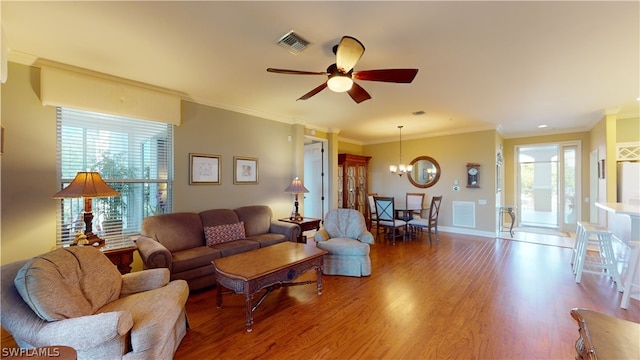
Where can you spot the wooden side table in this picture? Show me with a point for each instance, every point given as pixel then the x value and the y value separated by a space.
pixel 508 210
pixel 605 337
pixel 122 258
pixel 305 225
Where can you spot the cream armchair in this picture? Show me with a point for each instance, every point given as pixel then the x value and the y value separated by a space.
pixel 76 297
pixel 346 239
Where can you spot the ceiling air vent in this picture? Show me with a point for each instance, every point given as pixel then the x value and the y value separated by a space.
pixel 293 42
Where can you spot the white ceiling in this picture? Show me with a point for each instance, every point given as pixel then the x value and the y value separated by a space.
pixel 483 65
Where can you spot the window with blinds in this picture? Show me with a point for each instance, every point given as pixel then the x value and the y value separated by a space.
pixel 135 157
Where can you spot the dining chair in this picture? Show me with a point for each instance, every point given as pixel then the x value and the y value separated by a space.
pixel 373 217
pixel 386 217
pixel 415 203
pixel 430 222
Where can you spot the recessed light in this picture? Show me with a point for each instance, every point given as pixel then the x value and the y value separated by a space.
pixel 542 126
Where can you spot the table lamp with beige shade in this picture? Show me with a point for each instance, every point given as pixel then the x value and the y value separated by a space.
pixel 89 185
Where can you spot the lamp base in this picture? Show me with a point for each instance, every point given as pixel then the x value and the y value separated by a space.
pixel 296 217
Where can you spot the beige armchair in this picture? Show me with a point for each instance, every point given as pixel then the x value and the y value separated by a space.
pixel 346 239
pixel 76 297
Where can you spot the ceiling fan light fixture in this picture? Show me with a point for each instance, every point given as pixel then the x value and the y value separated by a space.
pixel 340 83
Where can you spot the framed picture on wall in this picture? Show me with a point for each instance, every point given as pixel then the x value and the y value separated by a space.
pixel 204 169
pixel 245 170
pixel 601 169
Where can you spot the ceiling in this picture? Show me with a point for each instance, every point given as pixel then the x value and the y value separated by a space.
pixel 509 66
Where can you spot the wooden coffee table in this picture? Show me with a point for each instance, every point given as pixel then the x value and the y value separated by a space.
pixel 266 269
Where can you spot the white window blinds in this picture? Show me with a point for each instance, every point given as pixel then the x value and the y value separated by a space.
pixel 135 157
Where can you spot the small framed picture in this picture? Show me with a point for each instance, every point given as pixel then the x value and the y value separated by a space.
pixel 245 170
pixel 204 169
pixel 601 169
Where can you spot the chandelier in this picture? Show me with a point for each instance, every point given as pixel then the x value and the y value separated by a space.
pixel 401 168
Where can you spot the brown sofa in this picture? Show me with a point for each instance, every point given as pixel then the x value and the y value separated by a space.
pixel 177 241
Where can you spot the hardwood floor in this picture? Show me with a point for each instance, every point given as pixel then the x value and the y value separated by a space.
pixel 465 297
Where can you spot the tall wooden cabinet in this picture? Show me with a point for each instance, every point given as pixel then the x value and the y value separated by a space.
pixel 353 182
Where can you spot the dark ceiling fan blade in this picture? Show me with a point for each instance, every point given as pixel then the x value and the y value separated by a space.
pixel 296 72
pixel 358 94
pixel 387 75
pixel 348 54
pixel 313 92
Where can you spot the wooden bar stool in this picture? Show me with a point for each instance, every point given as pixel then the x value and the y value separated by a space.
pixel 603 261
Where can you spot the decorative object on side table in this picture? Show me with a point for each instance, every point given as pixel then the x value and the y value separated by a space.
pixel 473 171
pixel 88 185
pixel 296 187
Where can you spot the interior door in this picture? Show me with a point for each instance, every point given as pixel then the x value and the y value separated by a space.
pixel 315 201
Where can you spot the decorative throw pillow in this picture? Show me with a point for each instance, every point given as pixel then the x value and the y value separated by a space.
pixel 224 233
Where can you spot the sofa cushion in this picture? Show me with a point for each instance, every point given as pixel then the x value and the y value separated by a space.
pixel 268 239
pixel 257 219
pixel 216 217
pixel 65 284
pixel 193 258
pixel 223 233
pixel 177 231
pixel 236 247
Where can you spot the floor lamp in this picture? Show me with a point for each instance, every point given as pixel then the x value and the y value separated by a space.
pixel 88 185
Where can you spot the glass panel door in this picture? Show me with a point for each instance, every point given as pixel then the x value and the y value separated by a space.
pixel 538 185
pixel 570 196
pixel 548 186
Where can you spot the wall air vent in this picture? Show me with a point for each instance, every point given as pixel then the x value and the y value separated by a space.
pixel 293 42
pixel 464 213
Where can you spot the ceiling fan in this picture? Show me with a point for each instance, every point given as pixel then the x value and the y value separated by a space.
pixel 341 74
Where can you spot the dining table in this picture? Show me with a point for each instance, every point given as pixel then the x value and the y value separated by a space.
pixel 405 215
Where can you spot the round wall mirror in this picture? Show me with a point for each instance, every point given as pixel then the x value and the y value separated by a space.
pixel 425 173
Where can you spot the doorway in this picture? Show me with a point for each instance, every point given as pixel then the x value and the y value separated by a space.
pixel 548 186
pixel 316 201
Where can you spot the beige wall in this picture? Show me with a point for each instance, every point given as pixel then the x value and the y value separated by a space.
pixel 349 148
pixel 29 163
pixel 628 130
pixel 452 153
pixel 28 167
pixel 220 132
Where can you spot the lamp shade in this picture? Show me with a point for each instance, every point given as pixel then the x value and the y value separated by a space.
pixel 296 187
pixel 88 185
